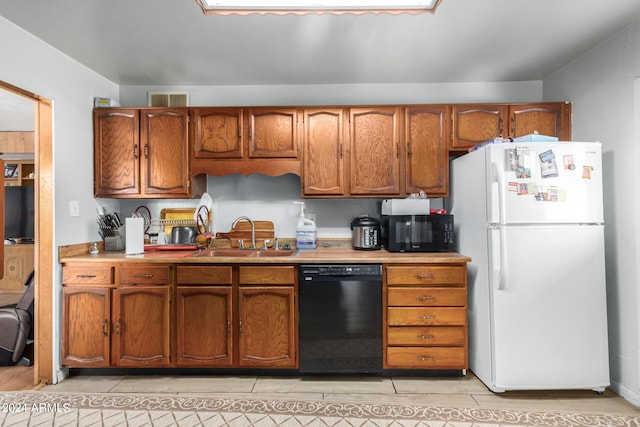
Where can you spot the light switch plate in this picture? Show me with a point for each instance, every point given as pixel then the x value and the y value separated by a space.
pixel 74 208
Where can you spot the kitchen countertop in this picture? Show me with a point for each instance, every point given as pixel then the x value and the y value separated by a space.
pixel 322 255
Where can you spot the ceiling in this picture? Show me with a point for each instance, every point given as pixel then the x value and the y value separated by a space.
pixel 171 42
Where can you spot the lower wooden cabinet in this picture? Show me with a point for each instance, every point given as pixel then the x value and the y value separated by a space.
pixel 204 316
pixel 123 324
pixel 86 326
pixel 267 328
pixel 248 322
pixel 425 317
pixel 141 325
pixel 245 316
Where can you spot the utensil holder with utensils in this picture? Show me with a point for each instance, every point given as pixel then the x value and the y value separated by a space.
pixel 116 241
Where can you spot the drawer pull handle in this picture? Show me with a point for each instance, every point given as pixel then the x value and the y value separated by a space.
pixel 229 327
pixel 424 276
pixel 118 327
pixel 426 358
pixel 426 337
pixel 428 317
pixel 426 298
pixel 86 276
pixel 105 327
pixel 144 276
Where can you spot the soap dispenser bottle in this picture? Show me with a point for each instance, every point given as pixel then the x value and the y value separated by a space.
pixel 305 230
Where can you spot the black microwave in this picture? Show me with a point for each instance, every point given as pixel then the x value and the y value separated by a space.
pixel 417 233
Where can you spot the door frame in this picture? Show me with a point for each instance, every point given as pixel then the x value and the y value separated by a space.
pixel 43 219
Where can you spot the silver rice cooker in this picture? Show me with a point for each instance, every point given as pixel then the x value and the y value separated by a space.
pixel 365 233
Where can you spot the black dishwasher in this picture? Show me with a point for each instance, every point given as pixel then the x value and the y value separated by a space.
pixel 340 318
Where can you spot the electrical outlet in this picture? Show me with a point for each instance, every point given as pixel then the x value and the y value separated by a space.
pixel 74 208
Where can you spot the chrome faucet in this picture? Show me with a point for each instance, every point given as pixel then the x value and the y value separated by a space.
pixel 253 230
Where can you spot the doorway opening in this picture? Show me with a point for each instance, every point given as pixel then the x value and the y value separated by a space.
pixel 41 176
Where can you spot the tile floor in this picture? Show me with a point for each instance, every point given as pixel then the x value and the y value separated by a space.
pixel 467 391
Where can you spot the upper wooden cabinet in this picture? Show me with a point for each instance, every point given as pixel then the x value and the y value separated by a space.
pixel 116 136
pixel 164 141
pixel 427 163
pixel 324 152
pixel 365 157
pixel 218 133
pixel 245 141
pixel 550 118
pixel 476 123
pixel 142 153
pixel 273 132
pixel 375 151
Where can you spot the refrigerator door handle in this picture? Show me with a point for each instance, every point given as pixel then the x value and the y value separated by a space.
pixel 496 202
pixel 499 263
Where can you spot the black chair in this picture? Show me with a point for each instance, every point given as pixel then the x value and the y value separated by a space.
pixel 16 326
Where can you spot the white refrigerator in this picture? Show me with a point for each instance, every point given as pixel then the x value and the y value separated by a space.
pixel 530 216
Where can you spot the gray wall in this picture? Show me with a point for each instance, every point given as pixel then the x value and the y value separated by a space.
pixel 30 64
pixel 603 87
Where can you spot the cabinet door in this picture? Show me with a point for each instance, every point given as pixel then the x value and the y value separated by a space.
pixel 323 172
pixel 218 132
pixel 374 156
pixel 18 263
pixel 85 326
pixel 141 324
pixel 164 167
pixel 476 123
pixel 267 327
pixel 116 152
pixel 551 118
pixel 273 133
pixel 427 166
pixel 203 326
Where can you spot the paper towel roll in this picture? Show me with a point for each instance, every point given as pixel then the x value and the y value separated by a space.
pixel 134 243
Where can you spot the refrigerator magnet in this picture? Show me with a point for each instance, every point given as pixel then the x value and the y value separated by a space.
pixel 548 167
pixel 586 172
pixel 568 162
pixel 523 189
pixel 522 172
pixel 511 159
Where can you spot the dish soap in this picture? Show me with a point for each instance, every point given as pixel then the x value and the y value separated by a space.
pixel 305 230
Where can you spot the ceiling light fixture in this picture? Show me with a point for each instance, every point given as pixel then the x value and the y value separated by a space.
pixel 225 7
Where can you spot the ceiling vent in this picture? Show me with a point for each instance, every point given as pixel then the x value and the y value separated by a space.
pixel 168 99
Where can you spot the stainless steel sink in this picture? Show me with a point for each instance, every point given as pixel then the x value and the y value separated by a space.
pixel 244 253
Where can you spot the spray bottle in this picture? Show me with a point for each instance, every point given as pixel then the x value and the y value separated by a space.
pixel 305 230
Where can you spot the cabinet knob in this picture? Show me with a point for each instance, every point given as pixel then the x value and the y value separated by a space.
pixel 105 327
pixel 118 327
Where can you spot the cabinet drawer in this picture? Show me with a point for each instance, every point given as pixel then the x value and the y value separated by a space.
pixel 401 316
pixel 426 335
pixel 205 275
pixel 425 297
pixel 261 275
pixel 87 275
pixel 427 357
pixel 452 275
pixel 144 275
